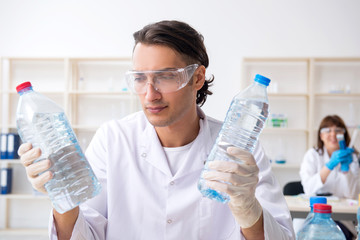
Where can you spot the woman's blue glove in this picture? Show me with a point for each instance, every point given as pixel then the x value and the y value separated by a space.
pixel 345 164
pixel 340 156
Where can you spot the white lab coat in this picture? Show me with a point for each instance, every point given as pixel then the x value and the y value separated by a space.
pixel 140 199
pixel 338 183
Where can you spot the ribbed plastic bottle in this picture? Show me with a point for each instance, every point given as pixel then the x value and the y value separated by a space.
pixel 321 226
pixel 313 200
pixel 243 124
pixel 43 123
pixel 358 220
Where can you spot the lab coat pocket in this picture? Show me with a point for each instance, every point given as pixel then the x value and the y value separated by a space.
pixel 215 220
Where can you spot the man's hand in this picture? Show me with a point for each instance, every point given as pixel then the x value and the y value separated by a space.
pixel 27 157
pixel 239 181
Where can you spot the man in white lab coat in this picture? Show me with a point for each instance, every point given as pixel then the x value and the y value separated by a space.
pixel 149 163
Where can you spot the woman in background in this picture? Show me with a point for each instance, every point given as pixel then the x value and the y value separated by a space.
pixel 328 170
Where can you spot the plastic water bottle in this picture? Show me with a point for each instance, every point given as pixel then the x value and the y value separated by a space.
pixel 358 220
pixel 43 123
pixel 321 226
pixel 243 123
pixel 342 144
pixel 313 200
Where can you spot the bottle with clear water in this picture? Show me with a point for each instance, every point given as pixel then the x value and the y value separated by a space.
pixel 243 124
pixel 41 122
pixel 321 226
pixel 313 200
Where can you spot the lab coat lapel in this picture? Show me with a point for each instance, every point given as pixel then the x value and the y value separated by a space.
pixel 152 151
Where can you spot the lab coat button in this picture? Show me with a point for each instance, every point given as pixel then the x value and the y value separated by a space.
pixel 143 155
pixel 169 221
pixel 172 183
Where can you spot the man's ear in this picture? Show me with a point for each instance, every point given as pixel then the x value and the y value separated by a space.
pixel 199 77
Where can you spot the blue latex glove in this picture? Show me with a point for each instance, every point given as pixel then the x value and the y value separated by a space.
pixel 346 163
pixel 340 156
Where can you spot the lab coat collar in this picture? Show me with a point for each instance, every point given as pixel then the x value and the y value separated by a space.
pixel 153 152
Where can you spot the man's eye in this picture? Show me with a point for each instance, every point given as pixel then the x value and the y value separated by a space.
pixel 165 76
pixel 139 78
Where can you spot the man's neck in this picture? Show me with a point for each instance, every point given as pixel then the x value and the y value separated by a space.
pixel 179 134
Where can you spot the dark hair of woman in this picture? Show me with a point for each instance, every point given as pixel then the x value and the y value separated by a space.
pixel 329 121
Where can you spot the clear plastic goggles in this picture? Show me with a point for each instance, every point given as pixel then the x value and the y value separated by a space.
pixel 163 81
pixel 337 130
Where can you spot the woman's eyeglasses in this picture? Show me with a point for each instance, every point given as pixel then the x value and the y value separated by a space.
pixel 337 130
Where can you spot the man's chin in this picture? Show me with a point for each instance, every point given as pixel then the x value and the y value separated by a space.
pixel 157 122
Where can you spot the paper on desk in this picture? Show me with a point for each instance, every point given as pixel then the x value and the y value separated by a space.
pixel 330 199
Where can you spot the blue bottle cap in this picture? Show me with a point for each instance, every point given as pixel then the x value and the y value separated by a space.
pixel 261 79
pixel 317 199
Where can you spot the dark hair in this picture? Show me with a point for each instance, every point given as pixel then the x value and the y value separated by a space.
pixel 182 38
pixel 328 121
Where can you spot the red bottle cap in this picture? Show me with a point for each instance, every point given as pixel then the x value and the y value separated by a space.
pixel 22 86
pixel 322 208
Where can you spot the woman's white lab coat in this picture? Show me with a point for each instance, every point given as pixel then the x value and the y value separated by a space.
pixel 140 199
pixel 338 183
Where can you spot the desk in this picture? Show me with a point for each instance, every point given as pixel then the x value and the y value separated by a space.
pixel 342 209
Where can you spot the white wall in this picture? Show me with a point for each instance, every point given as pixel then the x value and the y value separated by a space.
pixel 233 29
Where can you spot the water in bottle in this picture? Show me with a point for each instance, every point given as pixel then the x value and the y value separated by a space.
pixel 243 123
pixel 43 123
pixel 321 226
pixel 313 200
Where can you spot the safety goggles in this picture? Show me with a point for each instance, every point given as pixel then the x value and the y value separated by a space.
pixel 337 130
pixel 163 81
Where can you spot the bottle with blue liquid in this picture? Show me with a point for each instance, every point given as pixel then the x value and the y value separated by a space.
pixel 342 144
pixel 43 123
pixel 243 124
pixel 321 226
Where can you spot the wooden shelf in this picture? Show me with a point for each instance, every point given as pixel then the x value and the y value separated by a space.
pixel 42 92
pixel 285 166
pixel 300 91
pixel 85 127
pixel 288 95
pixel 10 161
pixel 337 94
pixel 284 130
pixel 90 90
pixel 23 232
pixel 24 196
pixel 124 93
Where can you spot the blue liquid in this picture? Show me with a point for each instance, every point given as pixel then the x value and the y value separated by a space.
pixel 243 124
pixel 73 180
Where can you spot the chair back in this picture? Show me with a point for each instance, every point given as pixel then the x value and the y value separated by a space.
pixel 293 188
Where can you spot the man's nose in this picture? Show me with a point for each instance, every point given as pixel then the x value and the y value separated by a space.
pixel 151 93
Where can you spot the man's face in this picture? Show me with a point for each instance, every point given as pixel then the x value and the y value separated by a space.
pixel 164 109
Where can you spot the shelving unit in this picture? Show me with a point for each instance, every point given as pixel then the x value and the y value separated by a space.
pixel 306 90
pixel 90 90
